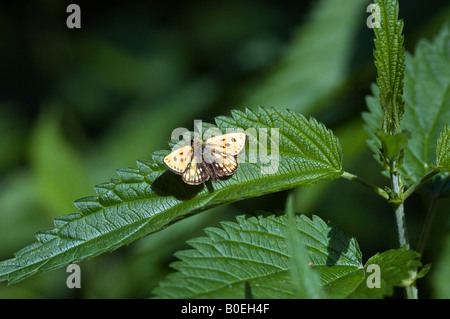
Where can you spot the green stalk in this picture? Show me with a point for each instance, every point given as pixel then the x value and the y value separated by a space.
pixel 411 290
pixel 399 212
pixel 390 63
pixel 419 183
pixel 365 183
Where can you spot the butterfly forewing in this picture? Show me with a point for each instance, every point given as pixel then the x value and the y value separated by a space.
pixel 178 160
pixel 230 144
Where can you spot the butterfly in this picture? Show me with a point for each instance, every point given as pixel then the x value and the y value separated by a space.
pixel 213 158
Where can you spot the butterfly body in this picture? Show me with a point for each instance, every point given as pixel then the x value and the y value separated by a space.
pixel 200 161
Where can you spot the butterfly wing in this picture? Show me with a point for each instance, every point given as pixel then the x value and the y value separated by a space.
pixel 196 173
pixel 179 160
pixel 226 166
pixel 222 152
pixel 231 143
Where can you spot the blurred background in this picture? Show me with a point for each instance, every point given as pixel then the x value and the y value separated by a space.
pixel 76 104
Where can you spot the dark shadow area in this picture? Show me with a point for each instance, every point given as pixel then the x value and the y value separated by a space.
pixel 209 186
pixel 170 184
pixel 338 244
pixel 248 291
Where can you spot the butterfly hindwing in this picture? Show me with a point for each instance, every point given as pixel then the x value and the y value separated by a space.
pixel 225 166
pixel 178 160
pixel 196 173
pixel 221 151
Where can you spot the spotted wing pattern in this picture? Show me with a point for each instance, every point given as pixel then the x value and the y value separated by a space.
pixel 218 158
pixel 221 151
pixel 179 160
pixel 231 143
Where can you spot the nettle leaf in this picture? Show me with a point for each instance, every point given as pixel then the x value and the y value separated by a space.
pixel 392 145
pixel 254 255
pixel 395 267
pixel 372 120
pixel 389 57
pixel 148 198
pixel 443 150
pixel 427 107
pixel 427 96
pixel 306 282
pixel 254 252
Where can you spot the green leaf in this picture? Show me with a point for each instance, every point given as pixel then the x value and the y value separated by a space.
pixel 427 107
pixel 427 96
pixel 254 251
pixel 310 74
pixel 305 281
pixel 392 145
pixel 390 62
pixel 372 120
pixel 443 150
pixel 148 198
pixel 395 267
pixel 423 271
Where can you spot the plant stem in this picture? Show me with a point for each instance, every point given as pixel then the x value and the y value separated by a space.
pixel 419 183
pixel 368 184
pixel 399 213
pixel 411 290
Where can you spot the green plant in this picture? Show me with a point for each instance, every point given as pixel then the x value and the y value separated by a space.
pixel 283 256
